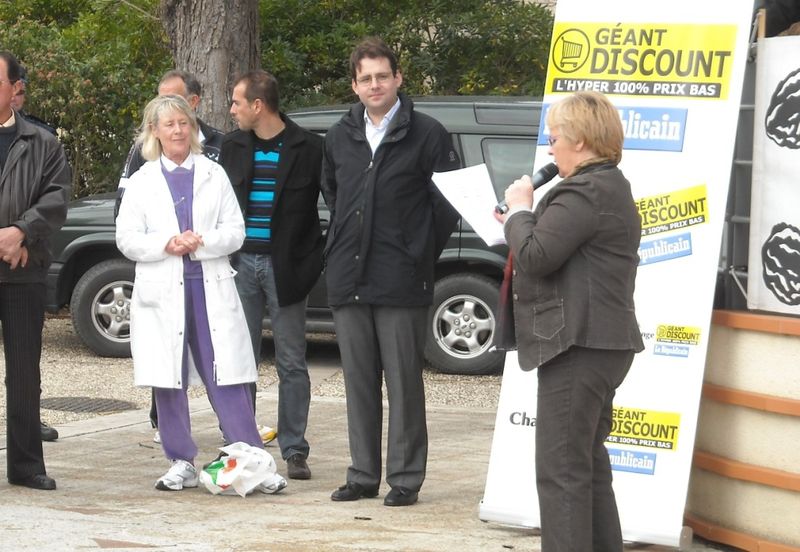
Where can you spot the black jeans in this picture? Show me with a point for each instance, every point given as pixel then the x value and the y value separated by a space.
pixel 22 316
pixel 573 473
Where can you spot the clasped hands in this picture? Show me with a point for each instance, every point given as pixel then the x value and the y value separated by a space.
pixel 184 243
pixel 517 196
pixel 11 249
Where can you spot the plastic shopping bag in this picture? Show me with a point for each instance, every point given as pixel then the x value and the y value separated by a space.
pixel 243 470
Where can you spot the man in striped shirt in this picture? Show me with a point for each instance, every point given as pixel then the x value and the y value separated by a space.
pixel 274 167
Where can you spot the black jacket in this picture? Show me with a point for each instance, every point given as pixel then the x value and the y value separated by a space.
pixel 34 190
pixel 38 122
pixel 389 222
pixel 296 242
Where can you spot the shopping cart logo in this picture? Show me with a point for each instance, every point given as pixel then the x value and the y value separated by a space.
pixel 570 50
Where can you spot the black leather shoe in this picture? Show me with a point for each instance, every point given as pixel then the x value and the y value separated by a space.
pixel 39 481
pixel 297 467
pixel 352 491
pixel 48 433
pixel 400 496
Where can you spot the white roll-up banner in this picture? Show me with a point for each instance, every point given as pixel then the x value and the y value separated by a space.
pixel 674 71
pixel 773 282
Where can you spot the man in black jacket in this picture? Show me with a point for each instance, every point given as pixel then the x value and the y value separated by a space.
pixel 34 190
pixel 47 432
pixel 388 225
pixel 274 167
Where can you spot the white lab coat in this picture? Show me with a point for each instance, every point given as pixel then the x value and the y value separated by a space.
pixel 145 224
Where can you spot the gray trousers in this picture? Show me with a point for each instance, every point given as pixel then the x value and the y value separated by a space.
pixel 389 341
pixel 573 473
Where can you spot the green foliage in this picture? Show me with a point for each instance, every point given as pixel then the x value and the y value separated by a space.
pixel 92 66
pixel 61 13
pixel 445 46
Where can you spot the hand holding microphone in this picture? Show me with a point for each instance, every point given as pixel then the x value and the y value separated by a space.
pixel 539 179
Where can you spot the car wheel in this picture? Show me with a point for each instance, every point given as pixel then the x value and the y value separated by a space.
pixel 462 326
pixel 101 307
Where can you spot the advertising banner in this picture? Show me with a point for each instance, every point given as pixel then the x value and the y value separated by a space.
pixel 675 76
pixel 774 260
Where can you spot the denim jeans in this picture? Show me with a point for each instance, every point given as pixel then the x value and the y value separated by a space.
pixel 255 283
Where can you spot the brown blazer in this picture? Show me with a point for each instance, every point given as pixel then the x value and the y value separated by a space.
pixel 575 260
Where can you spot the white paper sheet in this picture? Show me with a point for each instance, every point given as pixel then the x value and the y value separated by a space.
pixel 471 192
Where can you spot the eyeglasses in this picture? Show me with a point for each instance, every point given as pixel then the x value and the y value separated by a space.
pixel 552 140
pixel 380 78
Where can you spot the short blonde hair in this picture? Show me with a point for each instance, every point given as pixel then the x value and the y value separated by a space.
pixel 589 117
pixel 158 106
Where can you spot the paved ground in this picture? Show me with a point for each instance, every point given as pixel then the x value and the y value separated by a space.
pixel 70 369
pixel 105 467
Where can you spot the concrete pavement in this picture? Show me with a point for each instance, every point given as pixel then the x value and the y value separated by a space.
pixel 105 468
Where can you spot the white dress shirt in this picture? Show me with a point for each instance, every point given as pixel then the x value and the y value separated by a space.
pixel 375 133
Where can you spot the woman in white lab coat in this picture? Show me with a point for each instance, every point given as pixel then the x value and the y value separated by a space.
pixel 179 220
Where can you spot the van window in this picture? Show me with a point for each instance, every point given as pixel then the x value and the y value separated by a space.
pixel 507 159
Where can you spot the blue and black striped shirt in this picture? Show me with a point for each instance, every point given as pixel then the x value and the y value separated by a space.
pixel 261 200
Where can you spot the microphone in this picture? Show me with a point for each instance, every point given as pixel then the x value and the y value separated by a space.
pixel 539 178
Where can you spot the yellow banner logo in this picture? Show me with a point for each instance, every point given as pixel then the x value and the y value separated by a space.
pixel 645 428
pixel 642 59
pixel 679 209
pixel 686 335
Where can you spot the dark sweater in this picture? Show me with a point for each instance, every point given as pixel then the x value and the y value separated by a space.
pixel 6 137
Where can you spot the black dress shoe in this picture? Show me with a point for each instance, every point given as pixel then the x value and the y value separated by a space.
pixel 400 496
pixel 297 467
pixel 48 433
pixel 39 481
pixel 352 491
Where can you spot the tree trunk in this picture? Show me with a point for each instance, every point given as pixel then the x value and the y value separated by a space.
pixel 215 40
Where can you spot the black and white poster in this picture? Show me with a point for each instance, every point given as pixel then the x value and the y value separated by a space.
pixel 774 263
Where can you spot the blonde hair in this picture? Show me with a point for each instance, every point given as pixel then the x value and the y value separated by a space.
pixel 158 106
pixel 589 117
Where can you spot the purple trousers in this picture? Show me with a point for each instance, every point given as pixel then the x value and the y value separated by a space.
pixel 232 403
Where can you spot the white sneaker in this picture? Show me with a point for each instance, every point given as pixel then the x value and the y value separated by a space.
pixel 272 485
pixel 157 437
pixel 267 434
pixel 181 474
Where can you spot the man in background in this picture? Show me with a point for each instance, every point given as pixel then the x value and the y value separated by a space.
pixel 186 85
pixel 18 105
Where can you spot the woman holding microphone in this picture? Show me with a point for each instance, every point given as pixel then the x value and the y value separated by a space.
pixel 575 260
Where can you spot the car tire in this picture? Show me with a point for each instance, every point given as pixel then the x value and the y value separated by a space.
pixel 462 326
pixel 100 307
